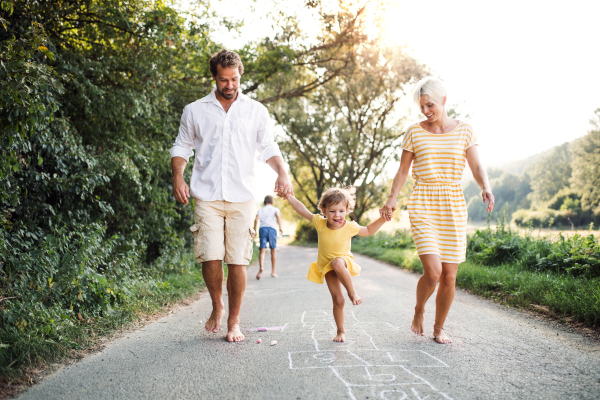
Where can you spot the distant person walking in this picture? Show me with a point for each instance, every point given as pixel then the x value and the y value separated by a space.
pixel 225 128
pixel 270 219
pixel 438 150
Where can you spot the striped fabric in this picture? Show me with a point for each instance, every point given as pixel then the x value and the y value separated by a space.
pixel 437 208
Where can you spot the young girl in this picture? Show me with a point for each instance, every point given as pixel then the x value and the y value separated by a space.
pixel 335 262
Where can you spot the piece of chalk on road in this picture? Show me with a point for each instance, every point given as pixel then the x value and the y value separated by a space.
pixel 273 342
pixel 258 341
pixel 261 329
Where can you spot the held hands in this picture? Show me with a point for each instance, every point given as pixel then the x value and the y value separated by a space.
pixel 283 186
pixel 181 191
pixel 387 211
pixel 488 198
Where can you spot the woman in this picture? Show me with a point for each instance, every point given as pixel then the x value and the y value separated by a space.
pixel 440 147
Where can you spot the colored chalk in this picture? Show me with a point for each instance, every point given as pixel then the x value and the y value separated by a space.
pixel 273 343
pixel 261 329
pixel 258 341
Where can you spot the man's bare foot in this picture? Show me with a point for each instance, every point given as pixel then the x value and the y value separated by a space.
pixel 260 271
pixel 273 275
pixel 340 337
pixel 214 321
pixel 356 299
pixel 417 325
pixel 234 334
pixel 440 336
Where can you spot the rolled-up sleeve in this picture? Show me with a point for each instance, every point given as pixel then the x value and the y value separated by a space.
pixel 265 144
pixel 184 144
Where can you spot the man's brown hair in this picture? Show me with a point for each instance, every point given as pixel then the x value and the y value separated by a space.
pixel 227 59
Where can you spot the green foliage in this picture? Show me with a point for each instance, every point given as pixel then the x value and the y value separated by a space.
pixel 346 131
pixel 395 248
pixel 551 174
pixel 586 166
pixel 575 255
pixel 306 232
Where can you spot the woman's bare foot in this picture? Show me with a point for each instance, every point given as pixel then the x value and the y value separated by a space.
pixel 260 271
pixel 440 336
pixel 340 337
pixel 355 299
pixel 417 325
pixel 273 275
pixel 234 334
pixel 214 321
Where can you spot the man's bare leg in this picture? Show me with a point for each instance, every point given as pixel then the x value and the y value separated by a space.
pixel 212 272
pixel 273 261
pixel 443 301
pixel 261 262
pixel 432 269
pixel 236 286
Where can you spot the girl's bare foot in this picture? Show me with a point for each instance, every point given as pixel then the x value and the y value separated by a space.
pixel 356 299
pixel 340 337
pixel 234 334
pixel 440 336
pixel 417 325
pixel 260 271
pixel 214 321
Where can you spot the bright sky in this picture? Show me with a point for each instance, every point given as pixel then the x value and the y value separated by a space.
pixel 528 70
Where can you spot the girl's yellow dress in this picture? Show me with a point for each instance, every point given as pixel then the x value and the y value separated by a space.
pixel 333 244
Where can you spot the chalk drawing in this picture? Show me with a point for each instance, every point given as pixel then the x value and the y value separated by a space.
pixel 363 367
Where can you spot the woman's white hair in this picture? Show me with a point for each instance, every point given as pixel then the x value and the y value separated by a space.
pixel 432 86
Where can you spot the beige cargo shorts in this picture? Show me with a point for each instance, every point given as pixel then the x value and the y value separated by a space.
pixel 223 231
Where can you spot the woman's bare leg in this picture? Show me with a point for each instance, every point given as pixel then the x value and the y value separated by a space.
pixel 432 269
pixel 339 266
pixel 335 288
pixel 443 300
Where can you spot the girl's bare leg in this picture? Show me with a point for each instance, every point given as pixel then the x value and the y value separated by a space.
pixel 335 288
pixel 432 269
pixel 443 300
pixel 339 266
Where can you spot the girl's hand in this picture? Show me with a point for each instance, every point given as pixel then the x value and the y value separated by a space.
pixel 488 198
pixel 388 209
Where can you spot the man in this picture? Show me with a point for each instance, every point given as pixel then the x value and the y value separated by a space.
pixel 269 217
pixel 225 129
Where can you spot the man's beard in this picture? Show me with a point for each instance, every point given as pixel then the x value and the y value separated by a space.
pixel 227 96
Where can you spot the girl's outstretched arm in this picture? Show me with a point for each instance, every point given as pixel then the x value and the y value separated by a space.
pixel 300 208
pixel 371 228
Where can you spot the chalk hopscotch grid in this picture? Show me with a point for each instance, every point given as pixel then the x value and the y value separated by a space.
pixel 382 388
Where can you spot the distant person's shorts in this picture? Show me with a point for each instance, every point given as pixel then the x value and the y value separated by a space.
pixel 222 231
pixel 267 234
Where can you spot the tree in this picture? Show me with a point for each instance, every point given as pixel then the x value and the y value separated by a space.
pixel 550 174
pixel 348 129
pixel 586 166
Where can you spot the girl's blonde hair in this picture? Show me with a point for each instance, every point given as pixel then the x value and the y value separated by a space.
pixel 432 86
pixel 336 195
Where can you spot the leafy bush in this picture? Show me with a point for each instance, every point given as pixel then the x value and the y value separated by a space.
pixel 306 232
pixel 576 255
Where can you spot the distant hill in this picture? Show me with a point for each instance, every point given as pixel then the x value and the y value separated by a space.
pixel 517 167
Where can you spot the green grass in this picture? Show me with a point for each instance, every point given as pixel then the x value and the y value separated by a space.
pixel 520 282
pixel 30 346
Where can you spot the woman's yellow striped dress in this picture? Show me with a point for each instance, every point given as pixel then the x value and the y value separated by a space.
pixel 437 208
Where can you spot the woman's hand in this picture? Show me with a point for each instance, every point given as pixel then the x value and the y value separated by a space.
pixel 488 198
pixel 388 209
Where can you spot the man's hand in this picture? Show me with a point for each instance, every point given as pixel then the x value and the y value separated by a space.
pixel 283 186
pixel 181 191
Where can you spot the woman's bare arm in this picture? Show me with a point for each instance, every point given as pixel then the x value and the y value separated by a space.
pixel 480 177
pixel 399 180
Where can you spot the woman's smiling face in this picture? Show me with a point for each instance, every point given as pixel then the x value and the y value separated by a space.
pixel 336 215
pixel 432 111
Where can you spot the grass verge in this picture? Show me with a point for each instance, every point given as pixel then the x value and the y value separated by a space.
pixel 512 283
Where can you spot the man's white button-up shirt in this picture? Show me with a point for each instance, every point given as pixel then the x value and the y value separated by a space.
pixel 225 144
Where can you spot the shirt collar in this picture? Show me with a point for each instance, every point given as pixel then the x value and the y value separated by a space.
pixel 212 97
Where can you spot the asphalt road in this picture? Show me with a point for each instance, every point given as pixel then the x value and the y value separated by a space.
pixel 497 353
